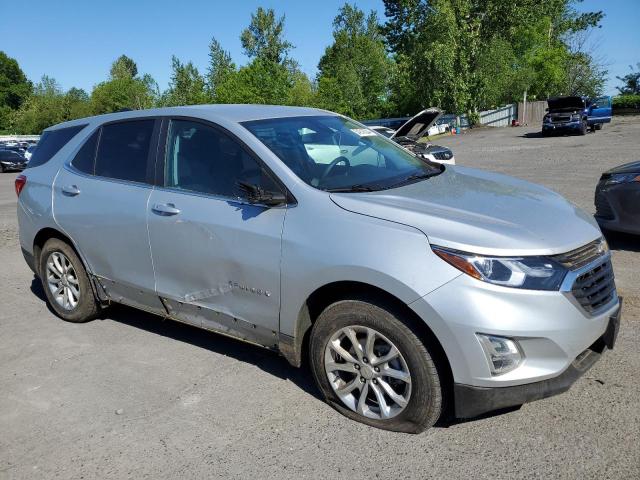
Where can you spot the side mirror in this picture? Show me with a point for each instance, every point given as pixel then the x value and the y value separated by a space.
pixel 255 194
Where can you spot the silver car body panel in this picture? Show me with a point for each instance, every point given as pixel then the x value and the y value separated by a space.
pixel 208 265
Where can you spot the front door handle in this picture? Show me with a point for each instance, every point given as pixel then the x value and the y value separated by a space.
pixel 71 190
pixel 166 209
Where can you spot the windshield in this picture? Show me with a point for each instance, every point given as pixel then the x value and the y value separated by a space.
pixel 336 154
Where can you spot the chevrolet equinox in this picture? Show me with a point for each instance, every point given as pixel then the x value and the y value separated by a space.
pixel 416 290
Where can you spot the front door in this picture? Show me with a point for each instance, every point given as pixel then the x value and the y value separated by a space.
pixel 216 257
pixel 600 112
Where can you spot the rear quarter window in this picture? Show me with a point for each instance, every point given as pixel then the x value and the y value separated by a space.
pixel 51 142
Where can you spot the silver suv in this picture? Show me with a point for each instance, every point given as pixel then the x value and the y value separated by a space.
pixel 416 290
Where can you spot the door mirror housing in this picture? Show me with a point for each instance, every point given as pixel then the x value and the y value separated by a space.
pixel 257 195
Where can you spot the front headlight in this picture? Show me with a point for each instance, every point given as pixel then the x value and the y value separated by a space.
pixel 623 178
pixel 533 273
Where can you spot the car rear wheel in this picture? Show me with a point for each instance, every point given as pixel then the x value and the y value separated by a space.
pixel 371 367
pixel 66 283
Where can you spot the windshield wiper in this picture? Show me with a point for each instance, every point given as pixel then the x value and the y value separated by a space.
pixel 354 188
pixel 414 177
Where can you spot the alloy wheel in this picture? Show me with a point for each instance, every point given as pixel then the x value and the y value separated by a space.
pixel 367 372
pixel 62 281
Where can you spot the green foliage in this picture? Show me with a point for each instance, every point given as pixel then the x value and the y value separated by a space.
pixel 354 71
pixel 14 89
pixel 627 101
pixel 124 89
pixel 260 82
pixel 263 38
pixel 187 86
pixel 220 67
pixel 123 67
pixel 49 105
pixel 630 82
pixel 466 55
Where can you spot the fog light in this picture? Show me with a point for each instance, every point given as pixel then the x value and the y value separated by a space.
pixel 502 353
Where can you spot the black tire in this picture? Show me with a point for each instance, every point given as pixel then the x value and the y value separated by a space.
pixel 87 307
pixel 583 128
pixel 593 128
pixel 2 170
pixel 598 126
pixel 425 402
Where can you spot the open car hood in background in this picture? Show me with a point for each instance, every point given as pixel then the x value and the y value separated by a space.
pixel 565 103
pixel 418 126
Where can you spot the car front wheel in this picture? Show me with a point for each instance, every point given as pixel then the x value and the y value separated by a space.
pixel 373 368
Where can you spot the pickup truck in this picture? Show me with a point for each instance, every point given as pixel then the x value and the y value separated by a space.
pixel 576 114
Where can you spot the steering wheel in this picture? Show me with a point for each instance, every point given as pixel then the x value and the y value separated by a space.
pixel 332 165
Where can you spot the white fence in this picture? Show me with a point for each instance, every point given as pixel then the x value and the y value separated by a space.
pixel 500 117
pixel 18 138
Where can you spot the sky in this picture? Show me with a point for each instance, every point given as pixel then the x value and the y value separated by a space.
pixel 75 42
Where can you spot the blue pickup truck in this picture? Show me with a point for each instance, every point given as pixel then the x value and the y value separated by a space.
pixel 576 114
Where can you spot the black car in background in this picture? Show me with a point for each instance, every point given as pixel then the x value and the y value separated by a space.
pixel 11 161
pixel 617 199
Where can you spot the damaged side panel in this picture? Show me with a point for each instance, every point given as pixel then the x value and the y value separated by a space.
pixel 217 263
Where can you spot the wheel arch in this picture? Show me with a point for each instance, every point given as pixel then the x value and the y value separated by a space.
pixel 48 233
pixel 295 349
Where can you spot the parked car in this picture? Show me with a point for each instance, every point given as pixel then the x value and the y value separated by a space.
pixel 11 161
pixel 409 134
pixel 29 152
pixel 414 288
pixel 576 114
pixel 617 199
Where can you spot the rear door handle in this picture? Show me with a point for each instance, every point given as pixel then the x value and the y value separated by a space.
pixel 71 190
pixel 166 209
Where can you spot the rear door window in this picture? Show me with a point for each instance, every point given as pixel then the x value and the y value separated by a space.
pixel 51 142
pixel 85 158
pixel 123 151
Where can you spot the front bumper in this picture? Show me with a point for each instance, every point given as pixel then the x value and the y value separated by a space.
pixel 618 207
pixel 471 401
pixel 564 126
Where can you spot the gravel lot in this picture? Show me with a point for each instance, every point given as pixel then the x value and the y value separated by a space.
pixel 133 396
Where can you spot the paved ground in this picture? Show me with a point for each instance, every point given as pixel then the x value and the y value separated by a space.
pixel 132 396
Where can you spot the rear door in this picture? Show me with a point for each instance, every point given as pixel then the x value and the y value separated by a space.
pixel 100 201
pixel 216 257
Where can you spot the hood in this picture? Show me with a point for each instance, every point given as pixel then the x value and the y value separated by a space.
pixel 633 167
pixel 418 126
pixel 481 212
pixel 565 103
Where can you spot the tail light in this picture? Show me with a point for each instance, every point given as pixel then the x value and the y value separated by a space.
pixel 21 181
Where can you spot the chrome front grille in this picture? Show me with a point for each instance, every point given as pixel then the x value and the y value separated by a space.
pixel 596 287
pixel 582 256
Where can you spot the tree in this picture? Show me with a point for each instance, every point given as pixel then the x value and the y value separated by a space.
pixel 465 55
pixel 123 67
pixel 42 109
pixel 14 89
pixel 260 82
pixel 220 67
pixel 630 82
pixel 125 89
pixel 354 71
pixel 187 86
pixel 263 38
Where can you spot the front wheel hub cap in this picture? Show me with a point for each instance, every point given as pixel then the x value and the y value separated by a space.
pixel 367 372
